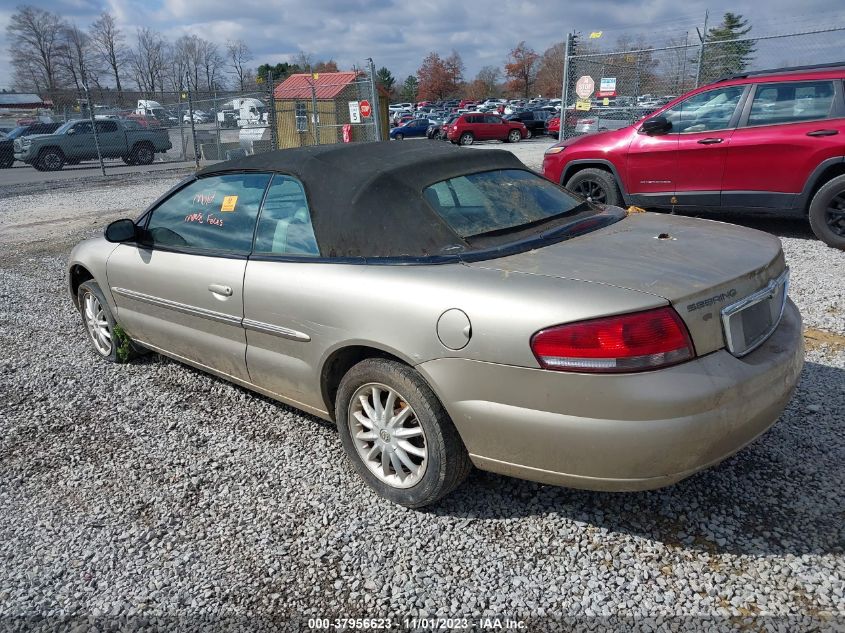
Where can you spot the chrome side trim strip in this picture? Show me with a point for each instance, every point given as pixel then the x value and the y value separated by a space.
pixel 179 307
pixel 275 330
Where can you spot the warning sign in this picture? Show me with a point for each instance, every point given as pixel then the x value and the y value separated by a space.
pixel 583 105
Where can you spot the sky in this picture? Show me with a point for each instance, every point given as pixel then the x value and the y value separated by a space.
pixel 400 34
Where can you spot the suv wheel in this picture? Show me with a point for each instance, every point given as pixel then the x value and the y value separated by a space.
pixel 827 213
pixel 528 134
pixel 466 139
pixel 399 137
pixel 142 154
pixel 596 185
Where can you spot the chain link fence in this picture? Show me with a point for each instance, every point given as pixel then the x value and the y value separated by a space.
pixel 607 90
pixel 105 128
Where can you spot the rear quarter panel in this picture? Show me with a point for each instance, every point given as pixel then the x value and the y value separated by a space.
pixel 397 308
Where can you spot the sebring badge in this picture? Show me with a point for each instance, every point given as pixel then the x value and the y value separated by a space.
pixel 720 298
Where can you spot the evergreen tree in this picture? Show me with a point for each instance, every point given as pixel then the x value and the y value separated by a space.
pixel 386 80
pixel 410 88
pixel 727 49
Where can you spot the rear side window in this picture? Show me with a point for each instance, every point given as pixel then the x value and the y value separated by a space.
pixel 284 227
pixel 211 214
pixel 790 102
pixel 104 127
pixel 496 201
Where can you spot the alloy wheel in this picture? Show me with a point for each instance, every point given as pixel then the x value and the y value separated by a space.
pixel 591 190
pixel 97 324
pixel 835 214
pixel 144 155
pixel 514 136
pixel 52 161
pixel 387 435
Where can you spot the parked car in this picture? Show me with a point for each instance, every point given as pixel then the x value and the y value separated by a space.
pixel 437 130
pixel 74 141
pixel 604 118
pixel 271 271
pixel 552 126
pixel 468 128
pixel 533 120
pixel 7 144
pixel 144 120
pixel 411 129
pixel 770 140
pixel 199 117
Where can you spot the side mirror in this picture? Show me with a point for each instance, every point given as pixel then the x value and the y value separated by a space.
pixel 120 231
pixel 656 125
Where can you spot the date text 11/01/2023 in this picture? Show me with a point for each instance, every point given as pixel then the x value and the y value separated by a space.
pixel 432 624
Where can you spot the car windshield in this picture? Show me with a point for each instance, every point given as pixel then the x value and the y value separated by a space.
pixel 64 127
pixel 501 201
pixel 16 132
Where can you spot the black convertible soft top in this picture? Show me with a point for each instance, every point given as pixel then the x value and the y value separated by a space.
pixel 366 199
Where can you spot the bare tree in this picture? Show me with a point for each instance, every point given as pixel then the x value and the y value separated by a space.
pixel 108 41
pixel 35 36
pixel 212 63
pixel 77 58
pixel 175 67
pixel 239 54
pixel 148 60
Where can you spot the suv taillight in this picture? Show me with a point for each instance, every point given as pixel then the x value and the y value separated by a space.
pixel 626 343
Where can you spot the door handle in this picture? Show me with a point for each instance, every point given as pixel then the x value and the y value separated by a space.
pixel 823 133
pixel 710 141
pixel 220 289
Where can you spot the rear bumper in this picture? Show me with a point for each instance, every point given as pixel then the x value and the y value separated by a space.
pixel 619 432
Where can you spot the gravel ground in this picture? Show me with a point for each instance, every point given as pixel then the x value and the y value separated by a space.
pixel 150 494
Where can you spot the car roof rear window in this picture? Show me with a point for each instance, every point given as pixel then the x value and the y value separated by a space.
pixel 497 201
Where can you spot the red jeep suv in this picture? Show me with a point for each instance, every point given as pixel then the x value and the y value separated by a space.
pixel 478 126
pixel 769 140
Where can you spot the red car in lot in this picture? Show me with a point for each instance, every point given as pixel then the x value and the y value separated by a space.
pixel 478 126
pixel 769 141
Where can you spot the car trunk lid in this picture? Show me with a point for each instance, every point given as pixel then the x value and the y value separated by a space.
pixel 699 266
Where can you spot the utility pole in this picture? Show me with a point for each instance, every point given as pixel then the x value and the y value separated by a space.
pixel 703 38
pixel 569 51
pixel 376 103
pixel 191 114
pixel 94 129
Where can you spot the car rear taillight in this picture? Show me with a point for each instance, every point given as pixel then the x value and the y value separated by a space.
pixel 626 343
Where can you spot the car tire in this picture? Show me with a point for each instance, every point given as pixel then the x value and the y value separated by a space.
pixel 51 160
pixel 100 325
pixel 127 160
pixel 429 431
pixel 528 135
pixel 827 213
pixel 399 137
pixel 466 139
pixel 596 184
pixel 142 154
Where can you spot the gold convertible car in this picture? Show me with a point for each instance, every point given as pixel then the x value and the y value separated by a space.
pixel 449 307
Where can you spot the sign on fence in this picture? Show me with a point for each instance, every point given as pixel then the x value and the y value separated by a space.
pixel 585 86
pixel 607 84
pixel 354 112
pixel 366 110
